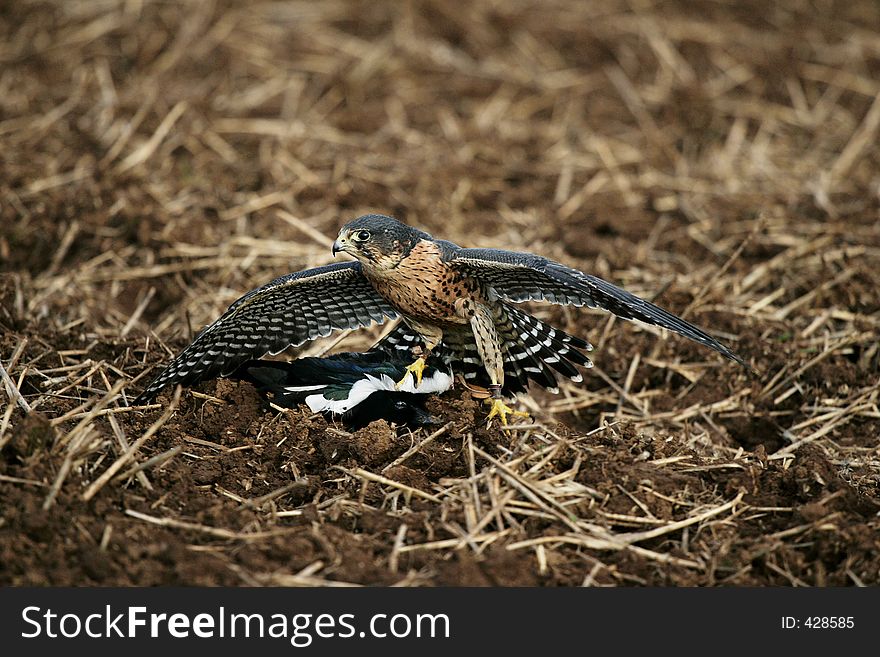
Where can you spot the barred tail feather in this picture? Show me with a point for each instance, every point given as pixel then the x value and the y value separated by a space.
pixel 523 353
pixel 552 346
pixel 531 349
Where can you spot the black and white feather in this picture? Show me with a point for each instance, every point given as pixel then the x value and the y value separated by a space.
pixel 355 387
pixel 533 351
pixel 285 312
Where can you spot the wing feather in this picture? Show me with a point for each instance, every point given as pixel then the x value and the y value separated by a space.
pixel 519 277
pixel 285 312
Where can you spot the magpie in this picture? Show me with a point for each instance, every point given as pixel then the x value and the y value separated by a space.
pixel 357 388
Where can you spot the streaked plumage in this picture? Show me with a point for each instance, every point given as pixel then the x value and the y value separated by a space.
pixel 357 388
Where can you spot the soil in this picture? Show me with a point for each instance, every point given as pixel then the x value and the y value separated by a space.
pixel 159 162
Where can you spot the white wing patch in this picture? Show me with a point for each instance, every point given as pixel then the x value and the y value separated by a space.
pixel 439 381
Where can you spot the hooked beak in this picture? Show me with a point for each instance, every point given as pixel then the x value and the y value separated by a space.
pixel 337 246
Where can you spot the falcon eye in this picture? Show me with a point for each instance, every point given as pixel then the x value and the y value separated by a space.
pixel 361 236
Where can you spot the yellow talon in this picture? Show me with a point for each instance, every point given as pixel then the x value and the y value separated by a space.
pixel 502 410
pixel 416 368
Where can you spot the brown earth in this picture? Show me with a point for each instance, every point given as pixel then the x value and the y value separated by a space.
pixel 160 159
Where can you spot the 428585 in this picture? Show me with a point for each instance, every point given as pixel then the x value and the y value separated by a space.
pixel 819 622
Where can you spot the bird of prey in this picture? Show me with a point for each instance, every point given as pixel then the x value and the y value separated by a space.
pixel 455 300
pixel 356 387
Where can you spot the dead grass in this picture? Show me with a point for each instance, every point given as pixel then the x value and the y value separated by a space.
pixel 160 159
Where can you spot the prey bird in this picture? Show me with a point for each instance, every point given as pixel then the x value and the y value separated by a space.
pixel 452 300
pixel 357 388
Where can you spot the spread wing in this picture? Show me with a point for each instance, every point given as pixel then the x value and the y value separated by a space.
pixel 522 277
pixel 283 313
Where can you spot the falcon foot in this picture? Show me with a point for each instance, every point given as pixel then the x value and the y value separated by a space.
pixel 502 410
pixel 416 369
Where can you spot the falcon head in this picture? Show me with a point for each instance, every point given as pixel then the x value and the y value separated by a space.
pixel 377 241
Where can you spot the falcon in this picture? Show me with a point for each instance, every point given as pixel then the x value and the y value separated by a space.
pixel 455 303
